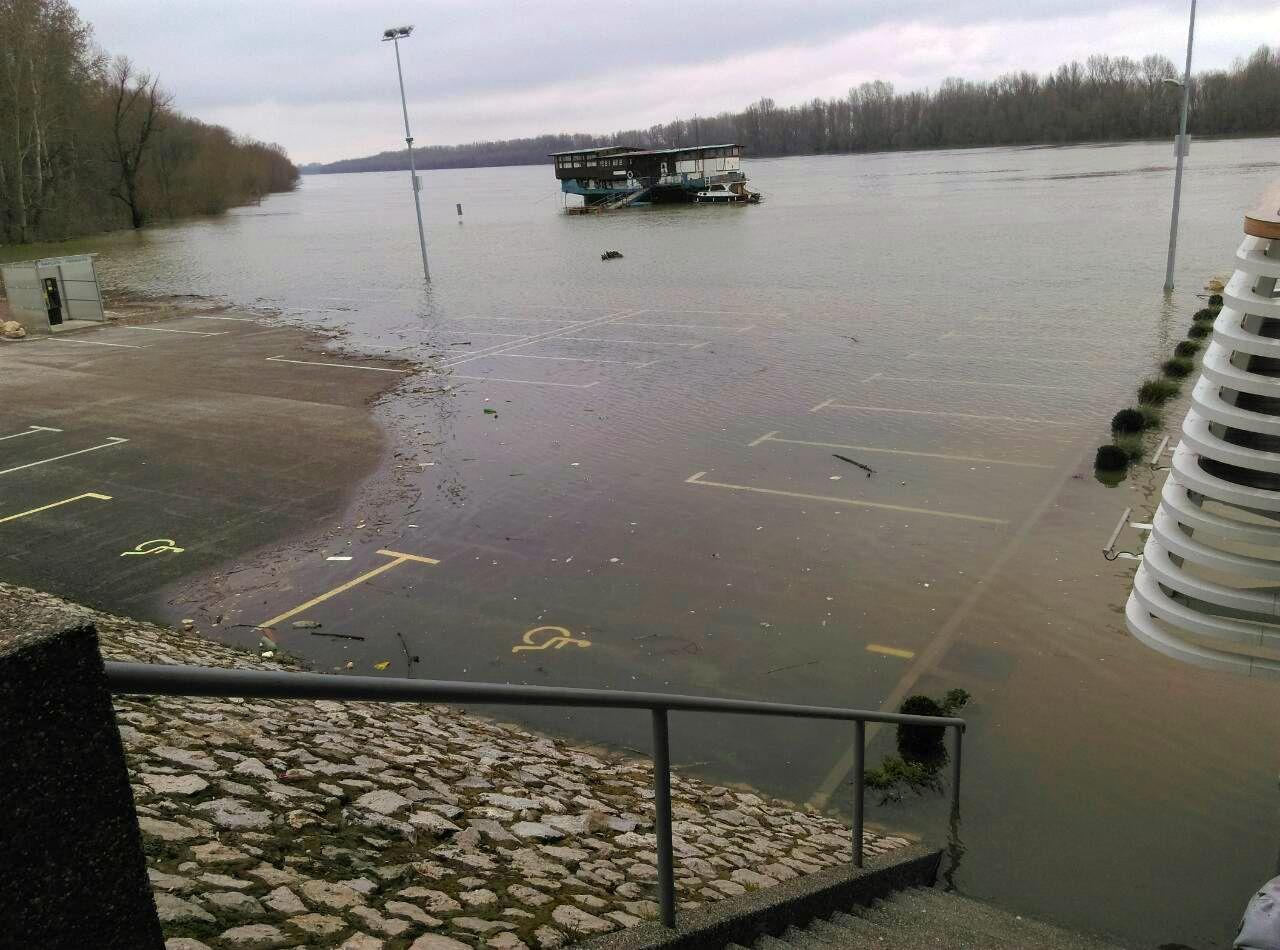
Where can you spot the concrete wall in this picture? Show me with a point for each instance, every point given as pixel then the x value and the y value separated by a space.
pixel 72 870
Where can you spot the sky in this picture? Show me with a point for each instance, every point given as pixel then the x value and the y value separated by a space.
pixel 314 76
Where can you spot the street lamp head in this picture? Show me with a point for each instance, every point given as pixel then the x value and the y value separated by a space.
pixel 396 33
pixel 1172 82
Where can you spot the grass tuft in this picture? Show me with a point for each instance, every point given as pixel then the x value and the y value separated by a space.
pixel 1215 300
pixel 1179 367
pixel 1187 348
pixel 1156 392
pixel 1199 331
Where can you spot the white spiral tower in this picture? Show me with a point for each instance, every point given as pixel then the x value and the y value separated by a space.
pixel 1208 588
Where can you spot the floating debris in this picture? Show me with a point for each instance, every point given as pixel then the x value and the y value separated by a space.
pixel 866 468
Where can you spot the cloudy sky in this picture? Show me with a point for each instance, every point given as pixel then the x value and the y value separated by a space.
pixel 312 74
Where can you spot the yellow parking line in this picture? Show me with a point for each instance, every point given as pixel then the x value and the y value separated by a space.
pixel 697 479
pixel 890 651
pixel 55 504
pixel 398 559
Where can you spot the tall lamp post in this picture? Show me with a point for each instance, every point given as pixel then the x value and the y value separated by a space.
pixel 1180 147
pixel 394 36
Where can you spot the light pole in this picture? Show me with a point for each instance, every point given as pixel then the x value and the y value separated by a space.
pixel 394 36
pixel 1180 147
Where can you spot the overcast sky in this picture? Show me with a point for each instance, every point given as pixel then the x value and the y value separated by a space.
pixel 312 74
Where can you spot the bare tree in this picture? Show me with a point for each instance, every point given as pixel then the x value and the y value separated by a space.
pixel 137 107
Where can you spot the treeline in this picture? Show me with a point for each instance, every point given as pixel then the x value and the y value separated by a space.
pixel 89 143
pixel 1106 98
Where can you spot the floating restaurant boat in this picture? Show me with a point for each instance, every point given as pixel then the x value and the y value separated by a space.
pixel 616 176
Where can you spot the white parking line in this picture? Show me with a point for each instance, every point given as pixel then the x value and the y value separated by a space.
pixel 601 339
pixel 830 404
pixel 697 479
pixel 526 382
pixel 127 346
pixel 517 320
pixel 1005 360
pixel 111 440
pixel 976 382
pixel 375 369
pixel 536 337
pixel 693 326
pixel 771 437
pixel 573 359
pixel 30 430
pixel 170 330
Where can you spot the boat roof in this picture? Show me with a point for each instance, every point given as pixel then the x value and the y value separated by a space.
pixel 596 150
pixel 633 150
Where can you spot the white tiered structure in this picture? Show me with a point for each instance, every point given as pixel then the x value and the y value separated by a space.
pixel 1208 588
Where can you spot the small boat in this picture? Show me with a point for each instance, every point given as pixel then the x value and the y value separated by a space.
pixel 734 192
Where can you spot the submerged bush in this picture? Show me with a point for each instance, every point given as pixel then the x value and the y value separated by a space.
pixel 922 750
pixel 1199 331
pixel 1179 367
pixel 1156 392
pixel 1110 458
pixel 1128 420
pixel 1205 316
pixel 1187 348
pixel 1215 300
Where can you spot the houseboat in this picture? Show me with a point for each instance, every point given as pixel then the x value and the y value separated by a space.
pixel 615 176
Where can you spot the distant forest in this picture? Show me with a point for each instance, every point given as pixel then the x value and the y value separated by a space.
pixel 90 143
pixel 1106 98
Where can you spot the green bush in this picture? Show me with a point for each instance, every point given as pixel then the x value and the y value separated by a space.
pixel 1205 316
pixel 1215 300
pixel 1128 420
pixel 1156 392
pixel 1187 348
pixel 1110 458
pixel 1179 367
pixel 1199 331
pixel 894 776
pixel 1130 445
pixel 1152 417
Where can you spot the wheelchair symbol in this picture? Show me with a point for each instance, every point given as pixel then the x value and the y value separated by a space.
pixel 562 639
pixel 156 546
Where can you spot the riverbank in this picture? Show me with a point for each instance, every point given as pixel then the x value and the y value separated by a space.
pixel 275 823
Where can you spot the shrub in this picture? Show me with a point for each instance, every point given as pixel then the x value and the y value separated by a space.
pixel 1157 392
pixel 1130 445
pixel 1187 348
pixel 1152 417
pixel 1199 331
pixel 1215 300
pixel 1128 420
pixel 895 775
pixel 1110 458
pixel 1205 315
pixel 1179 367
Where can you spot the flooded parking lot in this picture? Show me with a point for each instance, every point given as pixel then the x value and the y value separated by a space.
pixel 628 474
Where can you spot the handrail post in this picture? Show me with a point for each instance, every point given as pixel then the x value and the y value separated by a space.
pixel 662 818
pixel 859 787
pixel 955 770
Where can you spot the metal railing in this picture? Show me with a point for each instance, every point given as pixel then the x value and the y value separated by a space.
pixel 157 680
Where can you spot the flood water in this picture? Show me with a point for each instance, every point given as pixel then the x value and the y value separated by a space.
pixel 659 479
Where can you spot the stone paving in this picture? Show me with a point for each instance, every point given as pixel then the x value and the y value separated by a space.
pixel 363 826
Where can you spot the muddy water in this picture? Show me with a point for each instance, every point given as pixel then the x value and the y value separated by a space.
pixel 658 478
